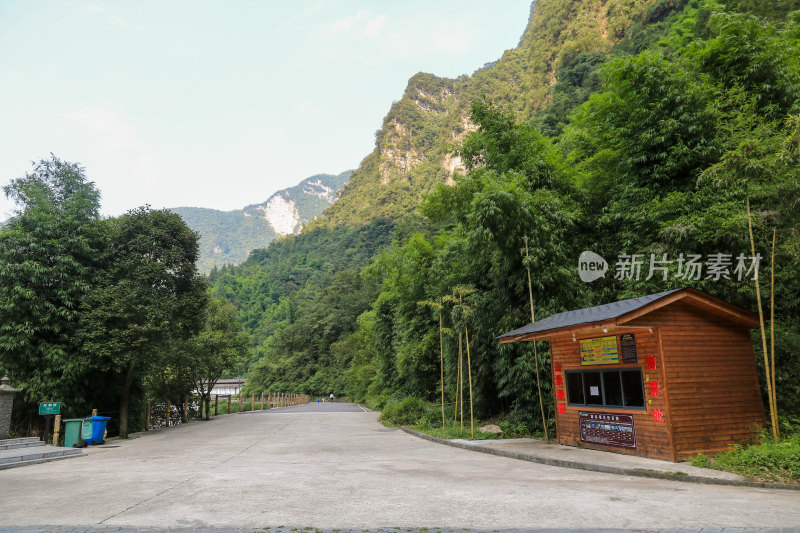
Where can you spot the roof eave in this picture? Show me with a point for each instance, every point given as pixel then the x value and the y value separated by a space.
pixel 736 314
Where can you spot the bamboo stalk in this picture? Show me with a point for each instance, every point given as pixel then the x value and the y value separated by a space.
pixel 763 329
pixel 772 334
pixel 535 354
pixel 469 371
pixel 441 355
pixel 458 378
pixel 461 378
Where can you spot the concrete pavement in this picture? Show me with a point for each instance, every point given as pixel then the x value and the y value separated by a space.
pixel 320 467
pixel 538 451
pixel 284 529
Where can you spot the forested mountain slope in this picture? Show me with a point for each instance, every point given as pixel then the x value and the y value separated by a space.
pixel 226 237
pixel 413 151
pixel 413 154
pixel 617 127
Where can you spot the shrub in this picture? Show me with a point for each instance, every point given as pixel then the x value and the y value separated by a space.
pixel 404 412
pixel 512 429
pixel 769 461
pixel 432 417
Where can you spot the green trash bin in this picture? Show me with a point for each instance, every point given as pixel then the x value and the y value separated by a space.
pixel 74 431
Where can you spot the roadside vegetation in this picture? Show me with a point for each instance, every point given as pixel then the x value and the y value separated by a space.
pixel 104 313
pixel 652 145
pixel 426 417
pixel 764 459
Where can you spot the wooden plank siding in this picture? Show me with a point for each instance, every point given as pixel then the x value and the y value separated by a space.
pixel 711 379
pixel 708 395
pixel 652 438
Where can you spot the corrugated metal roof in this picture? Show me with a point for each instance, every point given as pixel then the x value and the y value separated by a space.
pixel 589 315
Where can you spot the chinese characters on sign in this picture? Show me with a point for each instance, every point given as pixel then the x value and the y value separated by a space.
pixel 689 267
pixel 49 408
pixel 608 428
pixel 627 348
pixel 658 416
pixel 599 351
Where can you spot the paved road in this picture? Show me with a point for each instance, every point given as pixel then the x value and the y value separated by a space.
pixel 334 466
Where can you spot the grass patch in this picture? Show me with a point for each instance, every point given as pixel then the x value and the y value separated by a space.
pixel 451 432
pixel 405 412
pixel 665 472
pixel 765 461
pixel 426 417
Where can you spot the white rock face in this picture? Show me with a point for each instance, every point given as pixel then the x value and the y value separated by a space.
pixel 316 188
pixel 281 214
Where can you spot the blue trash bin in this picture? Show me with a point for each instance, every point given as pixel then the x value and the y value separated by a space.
pixel 98 429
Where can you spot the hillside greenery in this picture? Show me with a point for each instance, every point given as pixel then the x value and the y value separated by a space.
pixel 227 237
pixel 99 313
pixel 649 138
pixel 562 41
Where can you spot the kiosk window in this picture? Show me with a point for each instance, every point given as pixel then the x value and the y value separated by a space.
pixel 592 388
pixel 609 388
pixel 574 387
pixel 633 388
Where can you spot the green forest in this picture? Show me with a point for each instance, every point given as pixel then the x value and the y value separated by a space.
pixel 649 140
pixel 227 237
pixel 657 131
pixel 104 313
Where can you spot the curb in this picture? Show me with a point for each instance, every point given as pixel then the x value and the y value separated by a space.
pixel 600 468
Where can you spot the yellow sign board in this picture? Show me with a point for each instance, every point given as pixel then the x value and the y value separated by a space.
pixel 600 351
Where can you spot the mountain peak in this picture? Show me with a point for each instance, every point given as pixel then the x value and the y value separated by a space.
pixel 229 236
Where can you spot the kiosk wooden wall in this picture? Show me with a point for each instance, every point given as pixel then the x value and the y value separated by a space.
pixel 653 438
pixel 711 378
pixel 707 394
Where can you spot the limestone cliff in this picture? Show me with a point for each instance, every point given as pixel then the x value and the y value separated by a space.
pixel 227 237
pixel 413 149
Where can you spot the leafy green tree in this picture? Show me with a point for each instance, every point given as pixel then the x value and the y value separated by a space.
pixel 759 57
pixel 48 260
pixel 170 378
pixel 654 144
pixel 148 297
pixel 221 345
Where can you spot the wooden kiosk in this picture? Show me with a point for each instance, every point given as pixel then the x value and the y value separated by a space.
pixel 667 376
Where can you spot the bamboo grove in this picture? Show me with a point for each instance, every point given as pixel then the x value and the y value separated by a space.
pixel 657 146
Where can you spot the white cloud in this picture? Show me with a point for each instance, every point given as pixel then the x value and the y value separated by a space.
pixel 346 24
pixel 360 24
pixel 114 19
pixel 452 43
pixel 375 25
pixel 307 108
pixel 97 9
pixel 103 129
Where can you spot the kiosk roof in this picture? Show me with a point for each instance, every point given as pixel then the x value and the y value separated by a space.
pixel 617 310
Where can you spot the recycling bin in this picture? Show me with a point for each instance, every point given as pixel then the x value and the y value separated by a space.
pixel 98 425
pixel 86 432
pixel 74 433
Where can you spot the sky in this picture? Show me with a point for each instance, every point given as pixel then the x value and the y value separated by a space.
pixel 220 104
